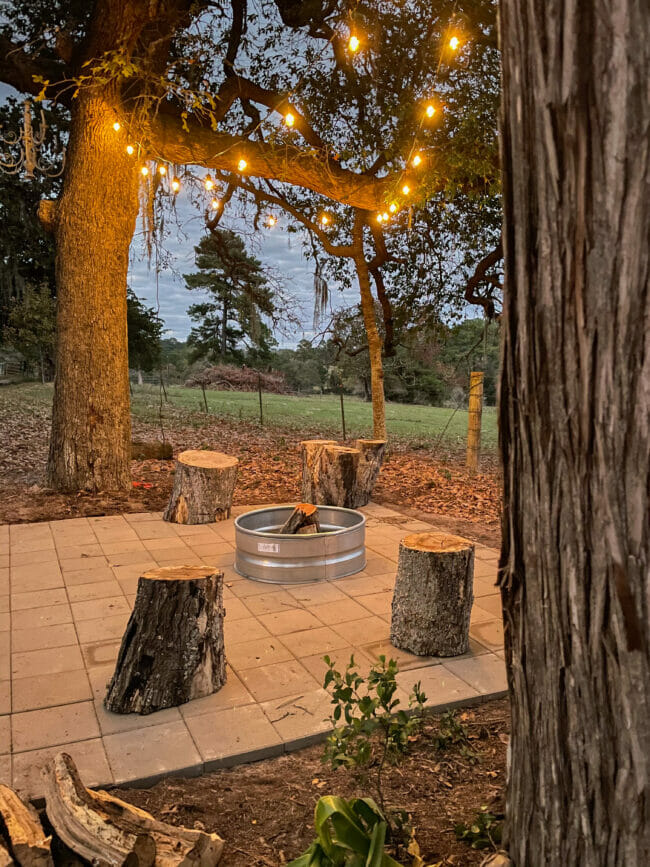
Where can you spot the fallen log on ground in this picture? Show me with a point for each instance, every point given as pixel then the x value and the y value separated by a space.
pixel 28 842
pixel 107 831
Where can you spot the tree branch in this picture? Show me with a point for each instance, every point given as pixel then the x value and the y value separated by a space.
pixel 480 277
pixel 18 69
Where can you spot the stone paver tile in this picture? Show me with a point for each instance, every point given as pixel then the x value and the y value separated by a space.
pixel 488 633
pixel 274 600
pixel 50 661
pixel 378 511
pixel 310 641
pixel 5 650
pixel 277 681
pixel 79 564
pixel 199 533
pixel 5 734
pixel 229 737
pixel 486 673
pixel 5 621
pixel 50 726
pixel 283 622
pixel 486 571
pixel 129 558
pixel 100 653
pixel 49 690
pixel 153 752
pixel 232 694
pixel 41 637
pixel 253 654
pixel 155 530
pixel 302 719
pixel 28 558
pixel 89 756
pixel 480 615
pixel 133 570
pixel 440 686
pixel 317 666
pixel 92 609
pixel 5 696
pixel 318 593
pixel 178 559
pixel 4 602
pixel 22 601
pixel 244 588
pixel 88 576
pixel 123 546
pixel 487 555
pixel 71 552
pixel 39 543
pixel 29 618
pixel 378 603
pixel 37 577
pixel 170 544
pixel 95 590
pixel 363 585
pixel 90 631
pixel 334 613
pixel 388 550
pixel 140 517
pixel 416 526
pixel 404 659
pixel 5 770
pixel 245 630
pixel 112 723
pixel 235 609
pixel 99 678
pixel 366 630
pixel 484 588
pixel 492 604
pixel 378 566
pixel 4 581
pixel 210 549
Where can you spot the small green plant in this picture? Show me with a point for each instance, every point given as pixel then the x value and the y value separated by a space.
pixel 484 832
pixel 367 722
pixel 452 733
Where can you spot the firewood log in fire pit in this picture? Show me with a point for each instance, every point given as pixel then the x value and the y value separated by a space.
pixel 303 519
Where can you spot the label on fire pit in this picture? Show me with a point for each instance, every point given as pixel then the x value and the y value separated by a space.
pixel 268 547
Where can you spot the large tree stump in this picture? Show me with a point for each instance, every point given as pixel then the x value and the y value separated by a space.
pixel 173 649
pixel 370 460
pixel 106 831
pixel 311 451
pixel 204 483
pixel 29 844
pixel 433 595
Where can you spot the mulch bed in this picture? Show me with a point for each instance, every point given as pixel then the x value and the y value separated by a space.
pixel 264 811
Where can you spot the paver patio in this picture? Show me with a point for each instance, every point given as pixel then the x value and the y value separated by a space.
pixel 66 590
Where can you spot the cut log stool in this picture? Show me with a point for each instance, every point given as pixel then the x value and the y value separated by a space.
pixel 173 647
pixel 433 595
pixel 204 483
pixel 335 475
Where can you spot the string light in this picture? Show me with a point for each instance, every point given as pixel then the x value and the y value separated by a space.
pixel 242 165
pixel 271 220
pixel 430 110
pixel 454 42
pixel 324 220
pixel 380 218
pixel 215 204
pixel 176 185
pixel 117 126
pixel 209 183
pixel 144 171
pixel 354 43
pixel 289 119
pixel 130 150
pixel 392 208
pixel 406 189
pixel 385 216
pixel 162 170
pixel 417 159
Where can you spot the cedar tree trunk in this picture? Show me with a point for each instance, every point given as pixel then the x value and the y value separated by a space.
pixel 91 426
pixel 574 430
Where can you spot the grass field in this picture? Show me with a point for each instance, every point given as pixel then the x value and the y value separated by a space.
pixel 425 425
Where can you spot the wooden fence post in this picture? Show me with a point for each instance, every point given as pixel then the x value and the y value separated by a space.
pixel 474 420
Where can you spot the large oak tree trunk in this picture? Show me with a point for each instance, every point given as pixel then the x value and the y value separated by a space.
pixel 95 221
pixel 574 429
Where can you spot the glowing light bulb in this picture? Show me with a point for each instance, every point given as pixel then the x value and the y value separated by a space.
pixel 130 150
pixel 215 204
pixel 454 42
pixel 430 110
pixel 417 159
pixel 289 119
pixel 144 171
pixel 354 43
pixel 176 185
pixel 117 126
pixel 406 189
pixel 162 170
pixel 324 220
pixel 209 183
pixel 392 208
pixel 271 220
pixel 380 218
pixel 385 217
pixel 242 165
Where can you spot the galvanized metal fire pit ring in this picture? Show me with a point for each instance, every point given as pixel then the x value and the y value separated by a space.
pixel 264 554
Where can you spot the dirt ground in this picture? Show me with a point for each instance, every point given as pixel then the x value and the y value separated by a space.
pixel 269 471
pixel 264 811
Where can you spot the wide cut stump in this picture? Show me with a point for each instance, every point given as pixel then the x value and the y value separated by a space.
pixel 335 475
pixel 173 647
pixel 433 596
pixel 204 483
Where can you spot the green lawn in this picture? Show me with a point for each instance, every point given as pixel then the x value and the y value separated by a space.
pixel 419 424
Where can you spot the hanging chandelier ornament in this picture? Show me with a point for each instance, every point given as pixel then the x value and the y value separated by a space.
pixel 22 151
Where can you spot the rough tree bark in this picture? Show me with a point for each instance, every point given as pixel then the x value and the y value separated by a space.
pixel 204 483
pixel 375 343
pixel 370 460
pixel 95 220
pixel 575 430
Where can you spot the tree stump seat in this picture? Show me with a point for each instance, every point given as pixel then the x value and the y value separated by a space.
pixel 173 647
pixel 336 475
pixel 204 483
pixel 433 596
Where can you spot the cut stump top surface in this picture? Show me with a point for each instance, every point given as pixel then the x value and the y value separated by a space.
pixel 318 442
pixel 180 573
pixel 341 449
pixel 208 459
pixel 436 542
